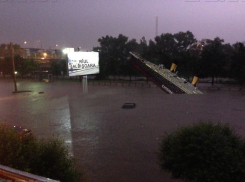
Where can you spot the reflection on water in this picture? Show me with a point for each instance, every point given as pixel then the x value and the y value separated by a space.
pixel 120 145
pixel 115 144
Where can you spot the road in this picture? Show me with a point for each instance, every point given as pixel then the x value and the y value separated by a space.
pixel 111 143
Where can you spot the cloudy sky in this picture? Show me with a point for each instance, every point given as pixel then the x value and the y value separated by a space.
pixel 80 23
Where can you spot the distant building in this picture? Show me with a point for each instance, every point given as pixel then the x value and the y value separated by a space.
pixel 34 53
pixel 5 50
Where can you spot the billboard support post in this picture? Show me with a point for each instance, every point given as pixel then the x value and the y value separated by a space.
pixel 85 84
pixel 83 63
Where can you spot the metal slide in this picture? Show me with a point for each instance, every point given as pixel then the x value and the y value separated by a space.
pixel 162 77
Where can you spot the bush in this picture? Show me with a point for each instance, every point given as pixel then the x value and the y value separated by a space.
pixel 10 148
pixel 49 158
pixel 53 160
pixel 204 152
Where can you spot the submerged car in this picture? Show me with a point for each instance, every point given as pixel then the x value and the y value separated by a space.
pixel 22 131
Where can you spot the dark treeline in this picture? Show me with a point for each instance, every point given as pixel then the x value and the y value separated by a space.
pixel 206 58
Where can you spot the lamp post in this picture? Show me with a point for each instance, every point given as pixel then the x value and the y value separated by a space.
pixel 13 65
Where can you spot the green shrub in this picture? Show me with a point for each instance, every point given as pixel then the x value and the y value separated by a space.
pixel 10 147
pixel 204 152
pixel 53 160
pixel 49 158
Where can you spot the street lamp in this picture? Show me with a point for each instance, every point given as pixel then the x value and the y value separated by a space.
pixel 44 55
pixel 13 65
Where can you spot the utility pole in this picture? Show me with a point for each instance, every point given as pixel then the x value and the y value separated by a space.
pixel 13 65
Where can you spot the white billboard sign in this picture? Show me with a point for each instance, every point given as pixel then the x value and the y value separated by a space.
pixel 68 49
pixel 83 63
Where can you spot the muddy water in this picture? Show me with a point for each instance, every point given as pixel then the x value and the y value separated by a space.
pixel 115 144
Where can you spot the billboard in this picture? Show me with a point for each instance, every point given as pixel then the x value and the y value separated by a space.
pixel 68 49
pixel 83 63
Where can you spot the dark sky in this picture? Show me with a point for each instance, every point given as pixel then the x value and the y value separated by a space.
pixel 80 23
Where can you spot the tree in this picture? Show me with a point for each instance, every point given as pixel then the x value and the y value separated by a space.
pixel 143 48
pixel 63 66
pixel 168 48
pixel 204 152
pixel 6 66
pixel 238 63
pixel 58 67
pixel 113 67
pixel 106 50
pixel 164 49
pixel 49 158
pixel 188 64
pixel 184 40
pixel 54 161
pixel 128 70
pixel 114 52
pixel 25 66
pixel 55 68
pixel 214 58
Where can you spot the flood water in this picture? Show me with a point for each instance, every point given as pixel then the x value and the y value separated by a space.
pixel 114 144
